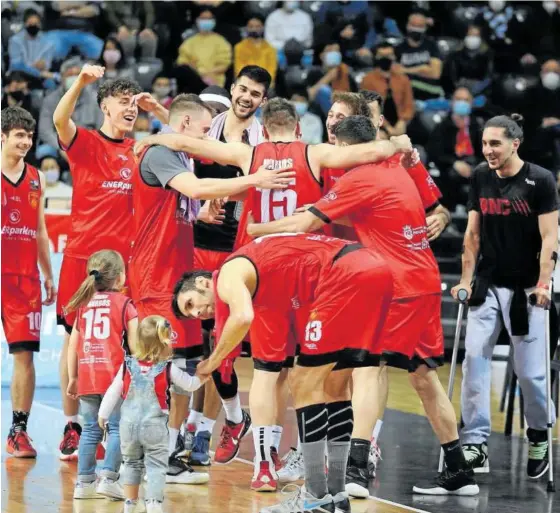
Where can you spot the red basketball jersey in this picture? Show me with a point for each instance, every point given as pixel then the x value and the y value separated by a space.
pixel 270 205
pixel 329 177
pixel 162 248
pixel 102 170
pixel 20 220
pixel 102 326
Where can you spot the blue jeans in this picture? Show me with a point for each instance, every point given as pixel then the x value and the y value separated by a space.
pixel 92 435
pixel 90 46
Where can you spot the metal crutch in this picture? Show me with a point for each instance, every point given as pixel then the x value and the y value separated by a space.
pixel 462 296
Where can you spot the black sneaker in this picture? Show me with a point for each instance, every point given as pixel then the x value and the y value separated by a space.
pixel 537 464
pixel 342 503
pixel 357 482
pixel 476 457
pixel 180 449
pixel 460 482
pixel 180 472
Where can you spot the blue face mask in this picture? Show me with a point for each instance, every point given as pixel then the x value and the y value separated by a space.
pixel 461 108
pixel 205 25
pixel 301 108
pixel 333 59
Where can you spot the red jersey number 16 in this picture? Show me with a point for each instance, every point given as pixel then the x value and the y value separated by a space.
pixel 277 204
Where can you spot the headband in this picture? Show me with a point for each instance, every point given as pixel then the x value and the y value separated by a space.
pixel 209 97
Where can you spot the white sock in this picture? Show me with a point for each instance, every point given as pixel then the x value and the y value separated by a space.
pixel 205 424
pixel 72 418
pixel 173 435
pixel 233 409
pixel 377 430
pixel 276 436
pixel 194 418
pixel 262 439
pixel 298 448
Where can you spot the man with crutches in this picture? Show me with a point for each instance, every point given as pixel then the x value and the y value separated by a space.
pixel 511 239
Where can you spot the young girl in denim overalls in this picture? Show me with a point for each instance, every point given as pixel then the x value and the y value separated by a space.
pixel 143 382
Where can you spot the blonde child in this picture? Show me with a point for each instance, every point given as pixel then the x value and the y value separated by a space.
pixel 143 382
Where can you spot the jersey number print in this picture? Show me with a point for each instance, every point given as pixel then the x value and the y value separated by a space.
pixel 98 323
pixel 277 204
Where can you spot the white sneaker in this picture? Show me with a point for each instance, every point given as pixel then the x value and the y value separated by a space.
pixel 110 489
pixel 293 469
pixel 153 506
pixel 180 472
pixel 86 491
pixel 134 507
pixel 373 459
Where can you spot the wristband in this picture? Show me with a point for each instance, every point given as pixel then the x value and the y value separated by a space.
pixel 542 285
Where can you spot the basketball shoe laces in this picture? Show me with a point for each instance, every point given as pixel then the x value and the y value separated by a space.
pixel 17 436
pixel 225 436
pixel 297 498
pixel 537 450
pixel 71 439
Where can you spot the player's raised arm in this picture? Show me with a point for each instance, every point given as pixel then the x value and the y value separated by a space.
pixel 62 117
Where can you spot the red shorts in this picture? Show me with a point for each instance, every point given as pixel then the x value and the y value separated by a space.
pixel 347 317
pixel 186 334
pixel 413 334
pixel 21 312
pixel 275 335
pixel 208 260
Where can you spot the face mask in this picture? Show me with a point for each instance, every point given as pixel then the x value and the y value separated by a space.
pixel 162 91
pixel 52 176
pixel 333 59
pixel 551 80
pixel 255 34
pixel 69 81
pixel 205 25
pixel 473 42
pixel 549 7
pixel 291 6
pixel 111 56
pixel 301 108
pixel 18 96
pixel 496 5
pixel 461 108
pixel 415 34
pixel 32 30
pixel 140 135
pixel 384 63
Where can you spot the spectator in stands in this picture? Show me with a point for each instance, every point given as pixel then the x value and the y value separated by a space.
pixel 31 52
pixel 114 59
pixel 310 124
pixel 333 75
pixel 75 29
pixel 394 88
pixel 58 195
pixel 454 147
pixel 87 114
pixel 289 22
pixel 419 58
pixel 207 53
pixel 254 49
pixel 142 127
pixel 133 22
pixel 161 90
pixel 16 93
pixel 544 39
pixel 470 65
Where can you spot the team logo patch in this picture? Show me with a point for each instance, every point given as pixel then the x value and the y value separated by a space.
pixel 15 216
pixel 34 199
pixel 87 347
pixel 173 335
pixel 331 196
pixel 313 315
pixel 34 185
pixel 407 232
pixel 33 303
pixel 125 173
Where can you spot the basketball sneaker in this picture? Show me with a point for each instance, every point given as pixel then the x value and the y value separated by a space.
pixel 200 454
pixel 460 482
pixel 265 480
pixel 131 506
pixel 476 457
pixel 70 442
pixel 373 459
pixel 180 472
pixel 292 467
pixel 342 503
pixel 275 459
pixel 110 488
pixel 153 506
pixel 232 433
pixel 190 432
pixel 357 481
pixel 538 463
pixel 19 444
pixel 84 490
pixel 301 501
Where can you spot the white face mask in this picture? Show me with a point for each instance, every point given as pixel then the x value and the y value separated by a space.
pixel 473 42
pixel 52 176
pixel 549 7
pixel 551 80
pixel 496 5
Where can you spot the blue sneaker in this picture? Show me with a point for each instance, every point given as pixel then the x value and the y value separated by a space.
pixel 200 455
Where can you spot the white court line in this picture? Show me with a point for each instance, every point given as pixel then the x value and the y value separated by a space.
pixel 397 504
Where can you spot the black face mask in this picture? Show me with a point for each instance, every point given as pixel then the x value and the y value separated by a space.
pixel 18 96
pixel 415 35
pixel 32 30
pixel 384 63
pixel 255 34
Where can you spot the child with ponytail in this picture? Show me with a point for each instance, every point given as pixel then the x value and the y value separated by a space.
pixel 143 382
pixel 105 327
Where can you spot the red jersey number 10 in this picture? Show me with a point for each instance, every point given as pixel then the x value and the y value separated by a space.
pixel 277 204
pixel 98 323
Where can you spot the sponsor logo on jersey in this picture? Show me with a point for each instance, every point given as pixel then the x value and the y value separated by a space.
pixel 125 173
pixel 530 182
pixel 124 158
pixel 409 232
pixel 330 196
pixel 430 181
pixel 17 199
pixel 295 303
pixel 15 216
pixel 34 199
pixel 311 346
pixel 34 185
pixel 87 346
pixel 118 186
pixel 9 231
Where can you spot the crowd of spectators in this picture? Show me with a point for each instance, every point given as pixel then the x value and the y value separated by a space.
pixel 441 67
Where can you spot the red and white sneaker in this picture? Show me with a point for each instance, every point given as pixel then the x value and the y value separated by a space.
pixel 278 463
pixel 70 442
pixel 19 445
pixel 265 480
pixel 231 435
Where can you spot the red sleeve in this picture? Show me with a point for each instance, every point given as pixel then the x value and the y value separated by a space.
pixel 342 199
pixel 130 312
pixel 429 191
pixel 81 145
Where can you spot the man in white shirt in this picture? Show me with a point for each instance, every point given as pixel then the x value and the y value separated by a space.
pixel 289 22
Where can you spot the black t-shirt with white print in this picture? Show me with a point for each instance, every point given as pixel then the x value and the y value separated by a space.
pixel 510 240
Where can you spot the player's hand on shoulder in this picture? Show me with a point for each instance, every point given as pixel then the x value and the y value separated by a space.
pixel 273 178
pixel 402 143
pixel 462 285
pixel 410 159
pixel 90 73
pixel 51 291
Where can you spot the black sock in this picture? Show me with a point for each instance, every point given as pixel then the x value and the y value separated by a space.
pixel 339 434
pixel 19 420
pixel 454 457
pixel 359 452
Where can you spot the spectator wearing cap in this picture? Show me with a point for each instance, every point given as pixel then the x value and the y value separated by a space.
pixel 289 22
pixel 31 52
pixel 207 53
pixel 310 124
pixel 115 62
pixel 87 113
pixel 394 88
pixel 217 98
pixel 255 50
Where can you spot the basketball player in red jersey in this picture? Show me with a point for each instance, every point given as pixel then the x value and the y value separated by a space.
pixel 166 193
pixel 385 208
pixel 25 243
pixel 276 275
pixel 102 165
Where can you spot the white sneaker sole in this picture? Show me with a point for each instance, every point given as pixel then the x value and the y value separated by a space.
pixel 110 494
pixel 465 491
pixel 357 491
pixel 481 470
pixel 90 494
pixel 196 479
pixel 289 479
